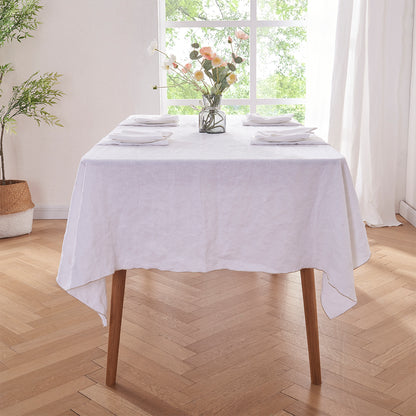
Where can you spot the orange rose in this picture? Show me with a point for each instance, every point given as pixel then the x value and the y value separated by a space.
pixel 207 53
pixel 186 68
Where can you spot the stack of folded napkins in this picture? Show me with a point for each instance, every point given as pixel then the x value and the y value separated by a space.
pixel 134 137
pixel 164 120
pixel 297 135
pixel 282 120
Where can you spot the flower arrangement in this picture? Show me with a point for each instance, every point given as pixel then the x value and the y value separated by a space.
pixel 207 71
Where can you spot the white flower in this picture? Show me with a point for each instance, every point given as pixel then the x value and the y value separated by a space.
pixel 166 65
pixel 151 50
pixel 169 62
pixel 172 59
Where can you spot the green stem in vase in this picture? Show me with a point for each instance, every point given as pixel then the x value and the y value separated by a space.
pixel 212 121
pixel 211 118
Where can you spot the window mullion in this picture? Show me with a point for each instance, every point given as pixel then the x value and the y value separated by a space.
pixel 235 23
pixel 240 101
pixel 253 55
pixel 162 73
pixel 208 23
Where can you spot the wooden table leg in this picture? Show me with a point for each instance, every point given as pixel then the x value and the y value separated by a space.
pixel 116 313
pixel 311 321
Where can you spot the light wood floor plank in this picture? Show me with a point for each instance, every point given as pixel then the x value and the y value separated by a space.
pixel 156 370
pixel 90 408
pixel 408 407
pixel 28 406
pixel 112 401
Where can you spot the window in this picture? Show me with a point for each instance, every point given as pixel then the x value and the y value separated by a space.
pixel 272 77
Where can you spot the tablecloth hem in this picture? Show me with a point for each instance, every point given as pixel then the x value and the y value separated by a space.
pixel 103 319
pixel 363 260
pixel 259 269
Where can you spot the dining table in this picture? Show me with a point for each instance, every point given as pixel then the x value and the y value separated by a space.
pixel 204 202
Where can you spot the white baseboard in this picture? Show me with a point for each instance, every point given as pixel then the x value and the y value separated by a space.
pixel 408 212
pixel 50 213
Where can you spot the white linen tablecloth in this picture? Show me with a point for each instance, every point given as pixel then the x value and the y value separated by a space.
pixel 208 202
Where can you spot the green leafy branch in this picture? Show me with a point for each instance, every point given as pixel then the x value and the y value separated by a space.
pixel 4 69
pixel 31 97
pixel 17 19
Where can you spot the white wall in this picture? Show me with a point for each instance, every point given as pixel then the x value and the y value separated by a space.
pixel 100 48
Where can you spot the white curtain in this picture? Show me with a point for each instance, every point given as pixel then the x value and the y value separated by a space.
pixel 410 198
pixel 358 93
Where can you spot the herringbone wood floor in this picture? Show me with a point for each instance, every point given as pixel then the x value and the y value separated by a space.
pixel 224 343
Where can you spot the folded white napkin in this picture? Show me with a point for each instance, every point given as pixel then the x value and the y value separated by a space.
pixel 151 120
pixel 282 120
pixel 286 131
pixel 299 135
pixel 134 137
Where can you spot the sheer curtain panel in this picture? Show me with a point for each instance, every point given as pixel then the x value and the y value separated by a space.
pixel 360 94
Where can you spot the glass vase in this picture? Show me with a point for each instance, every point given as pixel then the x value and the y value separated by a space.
pixel 211 118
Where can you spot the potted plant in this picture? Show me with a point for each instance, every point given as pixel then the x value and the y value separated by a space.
pixel 31 98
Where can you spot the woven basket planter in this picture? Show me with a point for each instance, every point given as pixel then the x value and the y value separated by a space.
pixel 16 208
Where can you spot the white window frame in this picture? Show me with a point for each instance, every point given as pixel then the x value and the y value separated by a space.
pixel 253 24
